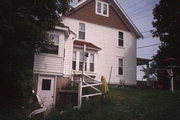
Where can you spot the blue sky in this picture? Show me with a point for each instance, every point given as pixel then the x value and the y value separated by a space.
pixel 140 12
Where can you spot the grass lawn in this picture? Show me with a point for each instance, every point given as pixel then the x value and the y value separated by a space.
pixel 127 104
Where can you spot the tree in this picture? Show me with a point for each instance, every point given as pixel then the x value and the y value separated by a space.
pixel 24 24
pixel 167 24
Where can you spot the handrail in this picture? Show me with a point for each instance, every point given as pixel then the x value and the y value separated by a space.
pixel 91 78
pixel 92 86
pixel 91 95
pixel 33 113
pixel 87 77
pixel 40 110
pixel 89 85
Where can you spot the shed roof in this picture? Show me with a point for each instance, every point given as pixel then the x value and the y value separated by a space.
pixel 80 44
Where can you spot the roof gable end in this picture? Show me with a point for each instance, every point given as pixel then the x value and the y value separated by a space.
pixel 85 10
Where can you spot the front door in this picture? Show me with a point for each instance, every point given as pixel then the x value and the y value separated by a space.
pixel 45 90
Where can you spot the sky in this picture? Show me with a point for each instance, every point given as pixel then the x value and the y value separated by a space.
pixel 140 12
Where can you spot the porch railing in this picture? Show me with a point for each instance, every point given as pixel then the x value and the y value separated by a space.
pixel 84 83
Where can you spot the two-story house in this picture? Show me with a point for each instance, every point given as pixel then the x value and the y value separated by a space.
pixel 110 39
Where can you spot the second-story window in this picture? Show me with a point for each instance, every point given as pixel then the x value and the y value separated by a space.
pixel 54 48
pixel 74 61
pixel 82 31
pixel 102 8
pixel 120 39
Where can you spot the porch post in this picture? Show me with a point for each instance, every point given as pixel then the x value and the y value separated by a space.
pixel 84 51
pixel 80 93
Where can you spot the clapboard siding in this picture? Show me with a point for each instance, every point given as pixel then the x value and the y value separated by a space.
pixel 68 57
pixel 107 58
pixel 45 63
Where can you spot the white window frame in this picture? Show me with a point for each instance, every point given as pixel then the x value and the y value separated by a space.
pixel 102 8
pixel 92 62
pixel 82 31
pixel 55 44
pixel 81 61
pixel 74 59
pixel 120 66
pixel 120 39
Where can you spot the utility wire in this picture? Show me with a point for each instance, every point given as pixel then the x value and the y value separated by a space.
pixel 131 6
pixel 147 31
pixel 141 15
pixel 148 46
pixel 141 7
pixel 123 1
pixel 145 16
pixel 140 11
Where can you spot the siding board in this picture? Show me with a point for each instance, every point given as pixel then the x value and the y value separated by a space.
pixel 48 63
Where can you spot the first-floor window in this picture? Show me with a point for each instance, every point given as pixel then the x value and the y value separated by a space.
pixel 91 62
pixel 81 61
pixel 74 61
pixel 81 58
pixel 120 66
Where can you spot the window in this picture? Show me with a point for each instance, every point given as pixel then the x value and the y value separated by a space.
pixel 91 62
pixel 99 7
pixel 52 49
pixel 120 39
pixel 81 61
pixel 82 31
pixel 46 84
pixel 74 61
pixel 102 8
pixel 120 66
pixel 81 57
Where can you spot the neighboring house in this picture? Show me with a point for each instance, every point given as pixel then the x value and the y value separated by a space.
pixel 110 39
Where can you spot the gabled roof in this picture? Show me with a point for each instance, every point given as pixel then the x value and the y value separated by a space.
pixel 119 10
pixel 80 44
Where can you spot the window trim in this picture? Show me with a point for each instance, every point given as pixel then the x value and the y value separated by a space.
pixel 74 60
pixel 91 62
pixel 54 44
pixel 122 67
pixel 102 8
pixel 120 39
pixel 46 84
pixel 82 31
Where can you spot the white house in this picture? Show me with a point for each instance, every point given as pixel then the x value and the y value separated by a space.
pixel 110 39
